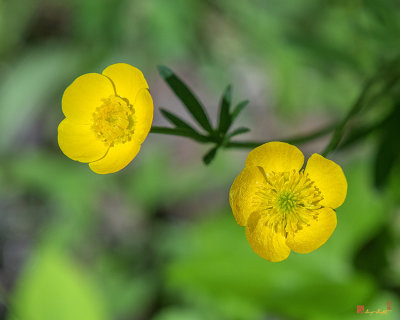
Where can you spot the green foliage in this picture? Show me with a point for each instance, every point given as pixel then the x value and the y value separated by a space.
pixel 210 155
pixel 238 109
pixel 224 114
pixel 220 136
pixel 53 287
pixel 23 95
pixel 220 272
pixel 175 120
pixel 187 97
pixel 388 151
pixel 158 240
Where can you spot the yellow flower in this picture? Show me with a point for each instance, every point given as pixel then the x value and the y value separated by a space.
pixel 283 207
pixel 108 116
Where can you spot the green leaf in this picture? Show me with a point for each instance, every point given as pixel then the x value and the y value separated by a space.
pixel 210 155
pixel 238 131
pixel 187 97
pixel 175 120
pixel 239 294
pixel 53 287
pixel 17 112
pixel 238 109
pixel 235 132
pixel 388 151
pixel 224 115
pixel 179 132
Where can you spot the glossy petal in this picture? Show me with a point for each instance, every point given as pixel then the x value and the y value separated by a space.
pixel 117 158
pixel 265 242
pixel 276 156
pixel 127 80
pixel 84 95
pixel 329 178
pixel 312 237
pixel 78 142
pixel 243 196
pixel 143 115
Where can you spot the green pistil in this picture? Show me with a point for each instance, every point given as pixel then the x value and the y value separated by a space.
pixel 286 202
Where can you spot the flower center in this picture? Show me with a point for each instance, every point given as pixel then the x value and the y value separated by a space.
pixel 113 121
pixel 290 200
pixel 286 201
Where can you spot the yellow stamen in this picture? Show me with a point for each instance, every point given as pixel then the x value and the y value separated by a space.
pixel 290 201
pixel 113 121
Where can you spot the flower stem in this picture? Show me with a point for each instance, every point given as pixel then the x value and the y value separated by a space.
pixel 362 100
pixel 293 140
pixel 245 144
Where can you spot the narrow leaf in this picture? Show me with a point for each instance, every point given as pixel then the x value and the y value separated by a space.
pixel 175 120
pixel 239 109
pixel 224 114
pixel 235 132
pixel 388 151
pixel 179 132
pixel 238 131
pixel 210 155
pixel 187 97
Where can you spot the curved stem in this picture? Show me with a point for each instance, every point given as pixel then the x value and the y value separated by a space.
pixel 362 101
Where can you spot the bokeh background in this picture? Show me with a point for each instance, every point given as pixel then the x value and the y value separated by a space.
pixel 158 239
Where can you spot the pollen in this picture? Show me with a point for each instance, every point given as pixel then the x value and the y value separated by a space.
pixel 289 200
pixel 113 121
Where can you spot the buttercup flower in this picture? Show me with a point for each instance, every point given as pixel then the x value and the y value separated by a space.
pixel 108 116
pixel 283 207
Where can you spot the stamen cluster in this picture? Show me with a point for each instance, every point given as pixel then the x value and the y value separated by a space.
pixel 290 200
pixel 113 121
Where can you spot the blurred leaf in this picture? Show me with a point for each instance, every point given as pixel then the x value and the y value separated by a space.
pixel 171 27
pixel 175 120
pixel 179 132
pixel 238 131
pixel 174 313
pixel 25 89
pixel 224 113
pixel 239 284
pixel 376 247
pixel 210 155
pixel 52 287
pixel 353 111
pixel 155 182
pixel 238 109
pixel 388 151
pixel 187 97
pixel 129 292
pixel 60 181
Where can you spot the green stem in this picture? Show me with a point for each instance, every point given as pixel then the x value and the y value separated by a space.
pixel 246 144
pixel 293 140
pixel 338 133
pixel 361 102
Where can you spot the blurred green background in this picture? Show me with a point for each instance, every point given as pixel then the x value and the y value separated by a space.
pixel 158 239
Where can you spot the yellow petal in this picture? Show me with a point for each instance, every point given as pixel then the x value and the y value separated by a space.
pixel 78 142
pixel 264 241
pixel 276 156
pixel 143 115
pixel 84 95
pixel 117 158
pixel 329 179
pixel 316 234
pixel 127 80
pixel 242 196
